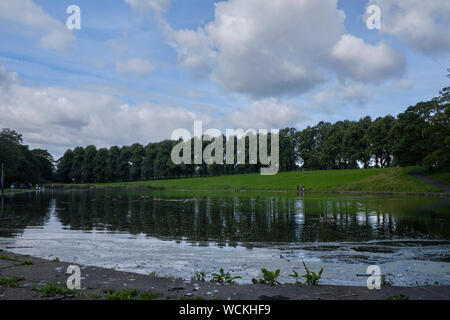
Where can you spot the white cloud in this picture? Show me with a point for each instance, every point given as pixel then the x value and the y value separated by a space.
pixel 404 84
pixel 367 63
pixel 267 114
pixel 56 118
pixel 267 48
pixel 135 66
pixel 7 78
pixel 194 50
pixel 341 93
pixel 423 25
pixel 54 34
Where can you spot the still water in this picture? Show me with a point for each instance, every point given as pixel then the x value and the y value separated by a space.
pixel 177 234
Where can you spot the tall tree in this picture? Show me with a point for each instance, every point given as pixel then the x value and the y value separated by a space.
pixel 88 174
pixel 76 172
pixel 381 140
pixel 112 164
pixel 148 164
pixel 136 160
pixel 64 165
pixel 45 164
pixel 101 165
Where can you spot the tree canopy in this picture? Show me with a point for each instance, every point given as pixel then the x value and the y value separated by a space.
pixel 418 136
pixel 22 165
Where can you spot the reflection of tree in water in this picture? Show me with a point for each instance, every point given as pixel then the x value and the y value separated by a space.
pixel 251 220
pixel 21 211
pixel 206 219
pixel 374 218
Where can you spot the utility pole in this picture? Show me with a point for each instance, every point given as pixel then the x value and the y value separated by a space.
pixel 3 175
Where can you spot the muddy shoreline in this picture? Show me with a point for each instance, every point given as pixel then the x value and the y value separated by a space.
pixel 29 278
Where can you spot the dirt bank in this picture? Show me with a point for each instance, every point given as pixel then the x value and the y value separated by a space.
pixel 29 278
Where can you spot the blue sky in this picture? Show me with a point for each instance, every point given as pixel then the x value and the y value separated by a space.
pixel 139 69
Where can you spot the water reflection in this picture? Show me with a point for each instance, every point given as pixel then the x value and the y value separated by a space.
pixel 21 211
pixel 248 219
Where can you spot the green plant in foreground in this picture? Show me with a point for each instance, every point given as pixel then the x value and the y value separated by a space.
pixel 52 289
pixel 199 276
pixel 223 277
pixel 130 294
pixel 7 258
pixel 311 278
pixel 296 276
pixel 427 284
pixel 269 277
pixel 26 263
pixel 154 274
pixel 385 282
pixel 56 259
pixel 400 297
pixel 11 282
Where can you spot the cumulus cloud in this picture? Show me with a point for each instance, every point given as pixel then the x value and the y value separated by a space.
pixel 54 34
pixel 422 25
pixel 358 60
pixel 56 118
pixel 341 93
pixel 267 48
pixel 135 66
pixel 7 78
pixel 267 114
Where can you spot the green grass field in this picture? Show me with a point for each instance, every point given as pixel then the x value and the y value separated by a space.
pixel 442 176
pixel 16 190
pixel 363 180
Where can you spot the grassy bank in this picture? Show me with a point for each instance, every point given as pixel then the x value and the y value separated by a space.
pixel 364 180
pixel 442 176
pixel 8 191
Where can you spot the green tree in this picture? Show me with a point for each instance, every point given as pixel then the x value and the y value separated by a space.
pixel 124 164
pixel 88 174
pixel 45 164
pixel 148 164
pixel 10 152
pixel 76 171
pixel 409 143
pixel 101 165
pixel 112 164
pixel 64 165
pixel 21 164
pixel 381 141
pixel 137 159
pixel 289 149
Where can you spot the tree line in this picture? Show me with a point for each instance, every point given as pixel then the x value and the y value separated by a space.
pixel 23 166
pixel 418 136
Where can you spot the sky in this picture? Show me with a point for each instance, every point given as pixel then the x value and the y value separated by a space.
pixel 137 70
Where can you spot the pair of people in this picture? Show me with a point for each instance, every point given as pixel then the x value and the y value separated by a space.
pixel 300 188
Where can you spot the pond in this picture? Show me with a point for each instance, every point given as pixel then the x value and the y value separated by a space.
pixel 179 233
